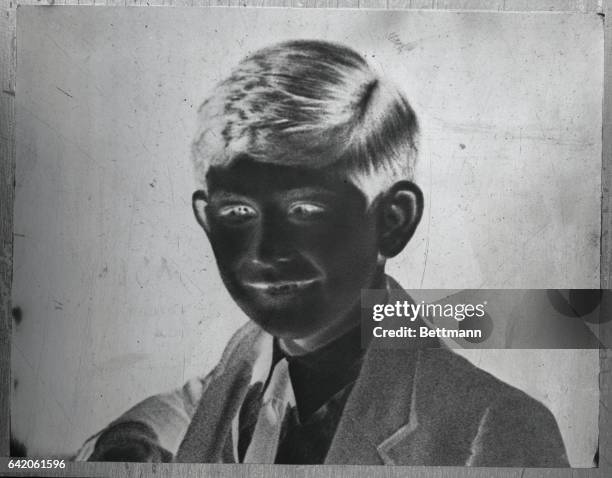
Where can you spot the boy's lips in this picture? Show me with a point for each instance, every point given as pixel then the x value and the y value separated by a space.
pixel 282 286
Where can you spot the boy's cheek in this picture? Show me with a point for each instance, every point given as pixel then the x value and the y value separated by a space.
pixel 230 244
pixel 338 234
pixel 351 242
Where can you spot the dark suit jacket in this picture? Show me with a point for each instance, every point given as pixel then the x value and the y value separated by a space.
pixel 417 406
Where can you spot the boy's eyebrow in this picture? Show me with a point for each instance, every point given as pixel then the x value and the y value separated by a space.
pixel 290 193
pixel 221 194
pixel 308 190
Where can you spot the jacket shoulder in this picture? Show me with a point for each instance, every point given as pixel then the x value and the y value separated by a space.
pixel 503 425
pixel 451 373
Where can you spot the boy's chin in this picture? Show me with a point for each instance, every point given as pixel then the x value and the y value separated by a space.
pixel 291 328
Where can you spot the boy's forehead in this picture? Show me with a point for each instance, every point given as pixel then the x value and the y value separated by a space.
pixel 253 176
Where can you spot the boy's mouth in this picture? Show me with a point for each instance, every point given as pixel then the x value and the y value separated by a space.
pixel 282 287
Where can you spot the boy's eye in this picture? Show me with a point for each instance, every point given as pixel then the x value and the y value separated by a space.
pixel 305 210
pixel 236 213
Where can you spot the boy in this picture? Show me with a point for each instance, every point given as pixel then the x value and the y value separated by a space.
pixel 305 159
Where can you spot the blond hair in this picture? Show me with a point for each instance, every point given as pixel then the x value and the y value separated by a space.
pixel 310 104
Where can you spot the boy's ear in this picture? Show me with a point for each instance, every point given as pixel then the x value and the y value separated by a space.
pixel 199 200
pixel 399 213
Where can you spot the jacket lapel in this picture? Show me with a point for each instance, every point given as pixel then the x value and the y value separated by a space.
pixel 381 414
pixel 378 405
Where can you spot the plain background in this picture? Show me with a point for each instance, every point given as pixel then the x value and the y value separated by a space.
pixel 117 284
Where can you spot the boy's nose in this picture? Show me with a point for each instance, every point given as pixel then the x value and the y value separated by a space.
pixel 272 244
